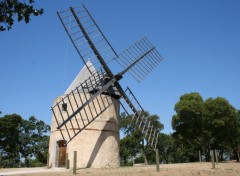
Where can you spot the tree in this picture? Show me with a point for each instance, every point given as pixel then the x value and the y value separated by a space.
pixel 11 9
pixel 130 145
pixel 135 136
pixel 23 139
pixel 148 152
pixel 188 122
pixel 34 141
pixel 183 150
pixel 165 146
pixel 224 126
pixel 9 140
pixel 235 136
pixel 155 121
pixel 126 123
pixel 205 125
pixel 221 118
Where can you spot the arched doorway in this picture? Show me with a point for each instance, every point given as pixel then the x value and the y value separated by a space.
pixel 61 153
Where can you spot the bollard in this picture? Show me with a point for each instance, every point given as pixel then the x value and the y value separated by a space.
pixel 157 160
pixel 74 162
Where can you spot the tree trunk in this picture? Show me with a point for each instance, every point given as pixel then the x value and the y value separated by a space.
pixel 27 163
pixel 236 153
pixel 207 154
pixel 238 156
pixel 145 159
pixel 166 159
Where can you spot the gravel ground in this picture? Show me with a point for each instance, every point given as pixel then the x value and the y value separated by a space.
pixel 185 169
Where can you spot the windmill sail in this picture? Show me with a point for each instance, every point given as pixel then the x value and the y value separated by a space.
pixel 87 37
pixel 139 49
pixel 141 122
pixel 90 43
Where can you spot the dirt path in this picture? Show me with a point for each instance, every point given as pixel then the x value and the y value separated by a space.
pixel 30 171
pixel 185 169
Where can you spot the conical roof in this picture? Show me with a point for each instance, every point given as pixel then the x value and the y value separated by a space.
pixel 82 76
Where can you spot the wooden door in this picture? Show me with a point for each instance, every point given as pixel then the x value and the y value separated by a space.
pixel 62 153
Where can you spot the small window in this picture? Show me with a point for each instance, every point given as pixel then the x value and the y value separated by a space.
pixel 64 107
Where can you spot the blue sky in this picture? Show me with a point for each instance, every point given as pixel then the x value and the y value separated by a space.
pixel 199 40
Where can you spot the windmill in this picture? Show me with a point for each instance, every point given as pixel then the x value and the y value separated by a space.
pixel 83 104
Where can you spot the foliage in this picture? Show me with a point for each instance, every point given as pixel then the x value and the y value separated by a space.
pixel 234 138
pixel 165 147
pixel 133 144
pixel 11 9
pixel 9 140
pixel 204 125
pixel 126 123
pixel 220 119
pixel 139 159
pixel 155 121
pixel 34 141
pixel 130 145
pixel 23 139
pixel 189 114
pixel 150 154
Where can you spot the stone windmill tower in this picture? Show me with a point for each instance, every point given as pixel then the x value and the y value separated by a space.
pixel 98 144
pixel 85 118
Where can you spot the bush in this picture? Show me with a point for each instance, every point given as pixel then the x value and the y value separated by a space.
pixel 36 163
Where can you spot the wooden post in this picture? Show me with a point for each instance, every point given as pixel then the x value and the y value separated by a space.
pixel 212 157
pixel 67 164
pixel 74 162
pixel 200 156
pixel 216 156
pixel 157 160
pixel 0 157
pixel 48 156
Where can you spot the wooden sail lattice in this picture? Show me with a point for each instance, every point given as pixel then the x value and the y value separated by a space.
pixel 86 36
pixel 71 120
pixel 139 119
